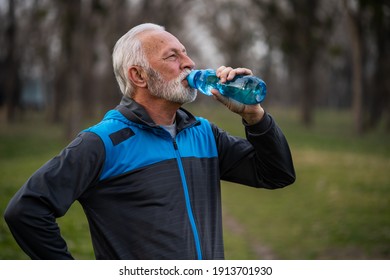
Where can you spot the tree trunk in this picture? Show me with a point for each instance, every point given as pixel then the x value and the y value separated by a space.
pixel 307 95
pixel 74 111
pixel 11 66
pixel 357 71
pixel 380 84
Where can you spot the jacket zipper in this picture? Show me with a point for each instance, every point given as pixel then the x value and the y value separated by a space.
pixel 188 202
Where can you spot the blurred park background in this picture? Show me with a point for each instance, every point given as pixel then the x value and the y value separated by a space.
pixel 326 64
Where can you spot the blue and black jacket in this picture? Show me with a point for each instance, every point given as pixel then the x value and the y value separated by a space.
pixel 146 195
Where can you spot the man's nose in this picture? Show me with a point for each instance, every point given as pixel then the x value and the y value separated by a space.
pixel 187 63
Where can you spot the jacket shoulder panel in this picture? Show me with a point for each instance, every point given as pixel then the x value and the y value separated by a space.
pixel 198 141
pixel 136 147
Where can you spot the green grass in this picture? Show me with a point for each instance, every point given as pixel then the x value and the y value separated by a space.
pixel 337 209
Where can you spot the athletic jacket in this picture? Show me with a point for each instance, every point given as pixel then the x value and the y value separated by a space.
pixel 145 194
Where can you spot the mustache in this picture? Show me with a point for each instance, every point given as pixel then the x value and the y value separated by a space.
pixel 184 74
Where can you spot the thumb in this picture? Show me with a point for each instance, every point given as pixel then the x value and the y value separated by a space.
pixel 231 104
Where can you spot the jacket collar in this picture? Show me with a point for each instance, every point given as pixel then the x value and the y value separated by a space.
pixel 135 112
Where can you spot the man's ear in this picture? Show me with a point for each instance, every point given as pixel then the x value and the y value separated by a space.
pixel 138 76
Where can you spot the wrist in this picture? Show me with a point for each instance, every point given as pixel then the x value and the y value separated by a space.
pixel 253 117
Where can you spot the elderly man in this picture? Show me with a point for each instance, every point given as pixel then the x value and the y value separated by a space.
pixel 148 175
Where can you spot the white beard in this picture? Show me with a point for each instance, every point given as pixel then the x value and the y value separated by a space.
pixel 173 90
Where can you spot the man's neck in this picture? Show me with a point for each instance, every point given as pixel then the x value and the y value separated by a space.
pixel 161 111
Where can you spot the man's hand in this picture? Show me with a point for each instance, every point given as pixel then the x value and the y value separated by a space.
pixel 250 113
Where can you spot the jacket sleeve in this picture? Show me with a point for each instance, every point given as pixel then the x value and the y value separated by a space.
pixel 262 160
pixel 49 192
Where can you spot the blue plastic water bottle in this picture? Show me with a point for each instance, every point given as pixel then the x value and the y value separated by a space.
pixel 244 89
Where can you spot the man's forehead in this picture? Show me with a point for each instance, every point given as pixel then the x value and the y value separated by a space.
pixel 157 41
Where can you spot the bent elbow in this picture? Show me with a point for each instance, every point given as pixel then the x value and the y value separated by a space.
pixel 287 176
pixel 289 180
pixel 12 214
pixel 280 181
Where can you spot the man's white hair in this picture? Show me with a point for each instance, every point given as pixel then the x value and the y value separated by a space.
pixel 128 51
